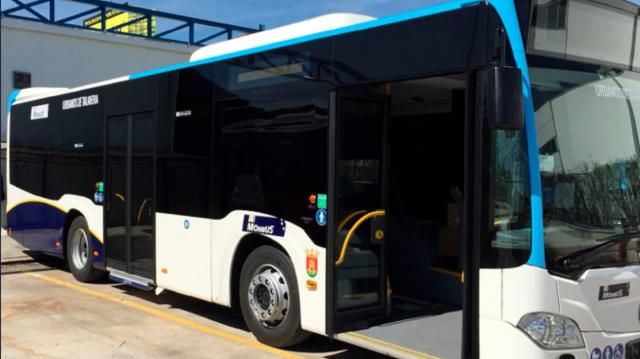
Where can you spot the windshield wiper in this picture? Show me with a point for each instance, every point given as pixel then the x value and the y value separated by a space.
pixel 577 259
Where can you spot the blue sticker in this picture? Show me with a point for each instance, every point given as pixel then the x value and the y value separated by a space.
pixel 596 354
pixel 618 352
pixel 321 217
pixel 186 224
pixel 263 225
pixel 607 353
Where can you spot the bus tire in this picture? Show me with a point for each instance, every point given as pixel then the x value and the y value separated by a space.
pixel 269 298
pixel 79 252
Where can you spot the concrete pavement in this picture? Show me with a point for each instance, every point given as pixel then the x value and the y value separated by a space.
pixel 47 314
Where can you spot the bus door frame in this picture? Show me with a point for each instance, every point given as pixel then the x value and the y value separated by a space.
pixel 474 209
pixel 130 116
pixel 333 318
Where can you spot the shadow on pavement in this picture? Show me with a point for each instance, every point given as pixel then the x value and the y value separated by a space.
pixel 316 344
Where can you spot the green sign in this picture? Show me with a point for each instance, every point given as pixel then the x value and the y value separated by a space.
pixel 322 200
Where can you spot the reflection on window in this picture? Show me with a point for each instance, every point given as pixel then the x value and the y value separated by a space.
pixel 271 69
pixel 510 213
pixel 550 14
pixel 583 29
pixel 361 171
pixel 589 155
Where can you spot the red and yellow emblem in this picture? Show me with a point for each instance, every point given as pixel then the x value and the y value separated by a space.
pixel 312 263
pixel 312 285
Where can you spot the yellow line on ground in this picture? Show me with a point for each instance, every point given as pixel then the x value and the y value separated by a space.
pixel 393 346
pixel 167 316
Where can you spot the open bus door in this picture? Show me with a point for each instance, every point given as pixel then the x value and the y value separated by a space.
pixel 357 294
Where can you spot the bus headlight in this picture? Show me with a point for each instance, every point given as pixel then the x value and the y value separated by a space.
pixel 552 331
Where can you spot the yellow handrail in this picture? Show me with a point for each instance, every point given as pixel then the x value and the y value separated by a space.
pixel 355 226
pixel 141 208
pixel 348 218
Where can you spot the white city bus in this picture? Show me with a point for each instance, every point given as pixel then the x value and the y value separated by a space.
pixel 461 180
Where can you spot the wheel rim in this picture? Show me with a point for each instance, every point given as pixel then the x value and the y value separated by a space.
pixel 268 295
pixel 80 248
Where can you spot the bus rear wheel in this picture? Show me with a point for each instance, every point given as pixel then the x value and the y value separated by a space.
pixel 269 298
pixel 79 252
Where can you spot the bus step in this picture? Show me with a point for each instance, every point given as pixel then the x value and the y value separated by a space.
pixel 130 279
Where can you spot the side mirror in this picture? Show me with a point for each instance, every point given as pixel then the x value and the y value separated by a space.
pixel 505 102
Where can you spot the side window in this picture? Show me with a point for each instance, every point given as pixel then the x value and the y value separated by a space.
pixel 33 145
pixel 509 209
pixel 79 157
pixel 184 146
pixel 271 136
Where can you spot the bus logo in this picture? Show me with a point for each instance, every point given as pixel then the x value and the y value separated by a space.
pixel 263 225
pixel 39 112
pixel 614 291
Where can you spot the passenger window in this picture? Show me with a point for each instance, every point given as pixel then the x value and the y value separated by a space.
pixel 184 146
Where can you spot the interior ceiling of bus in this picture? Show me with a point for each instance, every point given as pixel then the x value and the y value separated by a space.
pixel 427 95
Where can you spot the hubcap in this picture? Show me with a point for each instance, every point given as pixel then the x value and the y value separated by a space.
pixel 269 296
pixel 80 248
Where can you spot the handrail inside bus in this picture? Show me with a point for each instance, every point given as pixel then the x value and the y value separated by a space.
pixel 355 226
pixel 141 208
pixel 348 218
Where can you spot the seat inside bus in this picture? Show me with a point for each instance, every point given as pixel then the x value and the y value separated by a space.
pixel 423 225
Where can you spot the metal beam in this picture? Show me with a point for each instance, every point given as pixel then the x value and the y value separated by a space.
pixel 157 13
pixel 78 15
pixel 22 6
pixel 101 7
pixel 179 27
pixel 27 7
pixel 211 37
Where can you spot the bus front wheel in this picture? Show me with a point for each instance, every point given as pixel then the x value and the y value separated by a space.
pixel 269 298
pixel 79 252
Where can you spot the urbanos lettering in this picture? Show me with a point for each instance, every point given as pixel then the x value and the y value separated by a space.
pixel 614 291
pixel 81 101
pixel 263 225
pixel 616 92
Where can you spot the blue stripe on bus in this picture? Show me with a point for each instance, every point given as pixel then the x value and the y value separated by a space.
pixel 38 226
pixel 507 12
pixel 12 98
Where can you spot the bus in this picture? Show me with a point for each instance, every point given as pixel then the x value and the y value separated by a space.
pixel 461 180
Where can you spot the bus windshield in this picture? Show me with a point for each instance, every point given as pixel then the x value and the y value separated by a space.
pixel 586 90
pixel 588 138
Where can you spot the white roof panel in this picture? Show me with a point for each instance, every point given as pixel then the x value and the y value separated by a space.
pixel 299 29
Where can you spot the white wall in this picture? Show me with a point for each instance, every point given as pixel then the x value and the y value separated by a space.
pixel 63 57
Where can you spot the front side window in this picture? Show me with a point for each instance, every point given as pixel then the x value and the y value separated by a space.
pixel 509 201
pixel 589 151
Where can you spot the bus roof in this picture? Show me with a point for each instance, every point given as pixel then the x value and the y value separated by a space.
pixel 298 29
pixel 296 33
